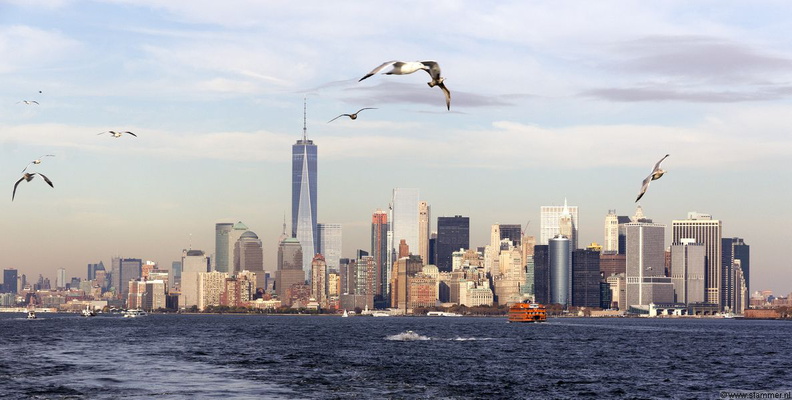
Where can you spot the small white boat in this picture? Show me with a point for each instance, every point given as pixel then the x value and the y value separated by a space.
pixel 380 314
pixel 31 314
pixel 442 314
pixel 134 313
pixel 88 312
pixel 346 314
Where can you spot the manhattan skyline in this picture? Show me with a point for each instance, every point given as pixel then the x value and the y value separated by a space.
pixel 551 101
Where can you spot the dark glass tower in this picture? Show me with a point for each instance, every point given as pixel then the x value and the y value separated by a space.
pixel 304 196
pixel 512 232
pixel 379 250
pixel 733 249
pixel 9 281
pixel 92 268
pixel 453 233
pixel 586 278
pixel 542 274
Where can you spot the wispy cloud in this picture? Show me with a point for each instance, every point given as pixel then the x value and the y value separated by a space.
pixel 25 47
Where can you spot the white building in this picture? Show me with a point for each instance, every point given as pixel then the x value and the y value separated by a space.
pixel 550 223
pixel 405 218
pixel 211 286
pixel 706 230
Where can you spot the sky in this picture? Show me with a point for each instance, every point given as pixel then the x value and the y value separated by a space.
pixel 551 100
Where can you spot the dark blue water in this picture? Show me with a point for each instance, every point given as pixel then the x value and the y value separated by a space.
pixel 61 356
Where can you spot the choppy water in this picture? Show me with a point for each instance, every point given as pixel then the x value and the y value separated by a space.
pixel 62 356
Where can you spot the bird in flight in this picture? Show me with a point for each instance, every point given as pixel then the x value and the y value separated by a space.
pixel 404 68
pixel 29 102
pixel 28 177
pixel 118 134
pixel 352 116
pixel 657 172
pixel 38 161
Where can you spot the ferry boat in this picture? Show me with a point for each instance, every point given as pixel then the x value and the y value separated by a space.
pixel 134 313
pixel 442 314
pixel 527 312
pixel 31 314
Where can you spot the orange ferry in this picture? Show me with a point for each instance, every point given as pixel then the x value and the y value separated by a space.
pixel 527 312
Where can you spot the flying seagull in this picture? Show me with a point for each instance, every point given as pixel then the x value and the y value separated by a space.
pixel 38 161
pixel 352 116
pixel 657 172
pixel 404 68
pixel 118 134
pixel 28 102
pixel 28 177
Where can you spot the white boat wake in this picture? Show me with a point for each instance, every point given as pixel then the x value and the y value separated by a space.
pixel 407 336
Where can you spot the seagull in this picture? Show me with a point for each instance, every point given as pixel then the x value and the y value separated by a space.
pixel 28 102
pixel 657 172
pixel 404 68
pixel 28 177
pixel 118 134
pixel 38 161
pixel 352 116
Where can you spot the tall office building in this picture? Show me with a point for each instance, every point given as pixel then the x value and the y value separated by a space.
pixel 249 256
pixel 60 278
pixel 10 280
pixel 541 274
pixel 176 271
pixel 304 178
pixel 704 229
pixel 424 229
pixel 404 223
pixel 193 262
pixel 585 278
pixel 552 220
pixel 687 271
pixel 611 242
pixel 290 269
pixel 319 280
pixel 513 232
pixel 226 236
pixel 330 243
pixel 560 270
pixel 646 280
pixel 379 251
pixel 92 268
pixel 735 254
pixel 453 233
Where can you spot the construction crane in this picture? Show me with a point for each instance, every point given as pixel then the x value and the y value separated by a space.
pixel 526 228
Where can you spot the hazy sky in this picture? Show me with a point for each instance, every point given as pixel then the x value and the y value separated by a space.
pixel 550 100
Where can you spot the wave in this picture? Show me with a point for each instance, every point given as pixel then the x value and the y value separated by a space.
pixel 459 338
pixel 407 336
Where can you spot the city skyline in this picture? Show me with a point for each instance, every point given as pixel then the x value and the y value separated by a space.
pixel 592 96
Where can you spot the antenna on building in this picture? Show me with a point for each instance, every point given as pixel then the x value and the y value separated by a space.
pixel 305 113
pixel 190 244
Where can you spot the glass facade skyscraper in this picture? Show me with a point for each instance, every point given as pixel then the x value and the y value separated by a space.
pixel 405 217
pixel 453 233
pixel 304 228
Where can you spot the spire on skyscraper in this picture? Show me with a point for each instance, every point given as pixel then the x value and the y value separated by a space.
pixel 305 117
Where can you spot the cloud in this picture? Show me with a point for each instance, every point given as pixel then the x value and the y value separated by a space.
pixel 664 93
pixel 24 47
pixel 395 93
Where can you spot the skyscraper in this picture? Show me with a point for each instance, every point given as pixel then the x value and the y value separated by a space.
pixel 193 263
pixel 453 233
pixel 646 280
pixel 704 229
pixel 513 232
pixel 330 244
pixel 735 254
pixel 290 271
pixel 687 271
pixel 131 269
pixel 9 281
pixel 222 240
pixel 560 270
pixel 424 227
pixel 304 178
pixel 319 280
pixel 379 251
pixel 586 278
pixel 551 223
pixel 405 217
pixel 92 268
pixel 60 278
pixel 611 242
pixel 249 256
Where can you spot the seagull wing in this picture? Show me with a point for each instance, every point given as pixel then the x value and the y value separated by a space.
pixel 645 186
pixel 434 69
pixel 15 186
pixel 26 167
pixel 102 133
pixel 34 102
pixel 378 69
pixel 49 182
pixel 342 115
pixel 131 133
pixel 367 108
pixel 441 85
pixel 657 166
